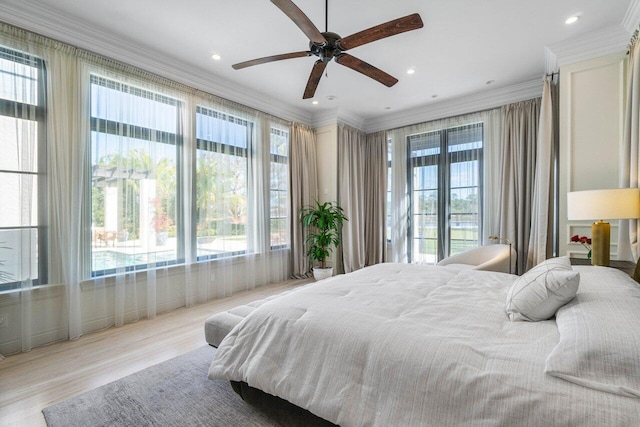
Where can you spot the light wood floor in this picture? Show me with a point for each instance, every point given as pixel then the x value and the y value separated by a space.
pixel 32 381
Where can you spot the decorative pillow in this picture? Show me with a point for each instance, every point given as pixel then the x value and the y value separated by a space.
pixel 541 291
pixel 599 343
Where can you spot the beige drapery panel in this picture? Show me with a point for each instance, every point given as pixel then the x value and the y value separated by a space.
pixel 517 169
pixel 304 190
pixel 375 198
pixel 362 182
pixel 628 245
pixel 351 189
pixel 542 215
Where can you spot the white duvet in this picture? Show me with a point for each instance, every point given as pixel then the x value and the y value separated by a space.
pixel 411 345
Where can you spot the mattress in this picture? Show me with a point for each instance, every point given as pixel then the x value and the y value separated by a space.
pixel 412 345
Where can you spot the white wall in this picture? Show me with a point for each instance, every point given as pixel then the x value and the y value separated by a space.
pixel 327 155
pixel 327 159
pixel 592 102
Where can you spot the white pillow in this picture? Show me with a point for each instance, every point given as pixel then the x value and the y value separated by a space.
pixel 599 343
pixel 541 291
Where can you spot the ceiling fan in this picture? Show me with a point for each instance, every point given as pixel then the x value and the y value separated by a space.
pixel 328 46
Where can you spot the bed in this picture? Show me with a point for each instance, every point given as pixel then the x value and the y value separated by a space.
pixel 418 345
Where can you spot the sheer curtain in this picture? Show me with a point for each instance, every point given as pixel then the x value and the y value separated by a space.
pixel 517 170
pixel 544 195
pixel 422 142
pixel 494 141
pixel 41 313
pixel 20 98
pixel 628 247
pixel 304 190
pixel 148 196
pixel 135 141
pixel 182 200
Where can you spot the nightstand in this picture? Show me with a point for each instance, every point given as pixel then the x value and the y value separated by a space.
pixel 626 266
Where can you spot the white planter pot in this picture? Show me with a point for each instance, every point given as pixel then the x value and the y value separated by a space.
pixel 322 273
pixel 161 238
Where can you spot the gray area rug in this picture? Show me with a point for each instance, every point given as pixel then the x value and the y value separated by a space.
pixel 173 393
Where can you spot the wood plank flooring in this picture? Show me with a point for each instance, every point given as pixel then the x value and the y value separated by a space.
pixel 47 375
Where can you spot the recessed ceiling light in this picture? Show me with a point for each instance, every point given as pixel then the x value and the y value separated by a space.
pixel 331 97
pixel 411 71
pixel 314 102
pixel 490 82
pixel 572 19
pixel 216 57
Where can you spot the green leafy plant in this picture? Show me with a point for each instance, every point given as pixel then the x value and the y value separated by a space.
pixel 324 222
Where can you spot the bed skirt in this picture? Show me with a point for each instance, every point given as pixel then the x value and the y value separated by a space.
pixel 286 413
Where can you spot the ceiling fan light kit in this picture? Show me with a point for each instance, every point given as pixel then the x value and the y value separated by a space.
pixel 329 46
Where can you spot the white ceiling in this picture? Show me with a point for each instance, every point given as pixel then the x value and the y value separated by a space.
pixel 464 43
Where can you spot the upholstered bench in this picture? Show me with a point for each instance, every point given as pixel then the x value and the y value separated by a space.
pixel 217 326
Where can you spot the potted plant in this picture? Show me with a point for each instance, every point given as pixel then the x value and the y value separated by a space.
pixel 323 222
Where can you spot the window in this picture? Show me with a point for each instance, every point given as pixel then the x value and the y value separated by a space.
pixel 135 145
pixel 223 144
pixel 279 189
pixel 444 181
pixel 23 244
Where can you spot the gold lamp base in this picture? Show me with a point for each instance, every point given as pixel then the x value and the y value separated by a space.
pixel 600 243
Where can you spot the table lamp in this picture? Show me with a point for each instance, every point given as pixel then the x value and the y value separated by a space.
pixel 619 203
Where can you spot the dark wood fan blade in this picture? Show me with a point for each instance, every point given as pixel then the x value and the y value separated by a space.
pixel 270 59
pixel 314 79
pixel 366 69
pixel 301 20
pixel 388 29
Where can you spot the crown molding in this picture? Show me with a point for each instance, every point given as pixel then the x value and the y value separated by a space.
pixel 478 101
pixel 593 45
pixel 631 19
pixel 35 17
pixel 337 115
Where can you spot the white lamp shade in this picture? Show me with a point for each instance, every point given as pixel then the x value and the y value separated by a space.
pixel 619 203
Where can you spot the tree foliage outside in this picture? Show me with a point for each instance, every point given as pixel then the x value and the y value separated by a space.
pixel 221 194
pixel 130 167
pixel 221 205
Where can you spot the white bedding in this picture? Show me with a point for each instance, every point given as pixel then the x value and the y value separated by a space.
pixel 403 345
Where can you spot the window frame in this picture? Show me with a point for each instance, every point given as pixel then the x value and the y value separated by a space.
pixel 225 149
pixel 157 136
pixel 443 160
pixel 12 109
pixel 278 158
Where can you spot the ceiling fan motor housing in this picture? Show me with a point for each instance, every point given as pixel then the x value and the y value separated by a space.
pixel 326 52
